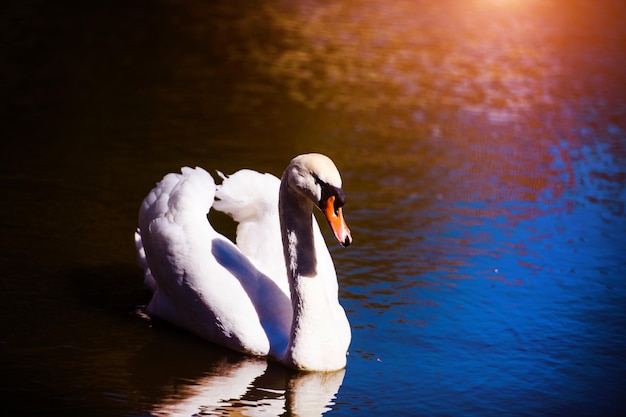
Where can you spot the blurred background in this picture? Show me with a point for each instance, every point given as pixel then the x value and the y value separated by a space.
pixel 482 145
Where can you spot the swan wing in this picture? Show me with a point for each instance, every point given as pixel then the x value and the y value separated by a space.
pixel 202 281
pixel 251 199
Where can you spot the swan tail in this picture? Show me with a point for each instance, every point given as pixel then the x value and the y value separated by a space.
pixel 148 279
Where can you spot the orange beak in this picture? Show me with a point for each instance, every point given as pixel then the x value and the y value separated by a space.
pixel 336 221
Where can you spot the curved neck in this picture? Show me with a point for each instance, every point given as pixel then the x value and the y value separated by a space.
pixel 320 332
pixel 307 292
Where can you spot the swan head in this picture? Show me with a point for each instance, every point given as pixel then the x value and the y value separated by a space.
pixel 315 176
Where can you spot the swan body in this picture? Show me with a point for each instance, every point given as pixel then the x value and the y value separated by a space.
pixel 274 293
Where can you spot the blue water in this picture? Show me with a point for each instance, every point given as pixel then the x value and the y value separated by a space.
pixel 522 315
pixel 483 152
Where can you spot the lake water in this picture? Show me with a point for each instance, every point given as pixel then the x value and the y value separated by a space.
pixel 482 145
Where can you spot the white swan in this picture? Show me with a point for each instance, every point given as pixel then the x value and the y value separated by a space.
pixel 276 293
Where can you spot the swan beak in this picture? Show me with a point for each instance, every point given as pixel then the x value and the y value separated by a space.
pixel 336 221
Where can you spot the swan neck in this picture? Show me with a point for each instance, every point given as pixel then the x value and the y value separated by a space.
pixel 320 333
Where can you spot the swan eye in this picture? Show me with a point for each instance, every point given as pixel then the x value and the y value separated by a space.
pixel 327 191
pixel 339 200
pixel 337 195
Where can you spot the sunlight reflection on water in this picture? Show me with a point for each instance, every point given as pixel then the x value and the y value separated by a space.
pixel 482 149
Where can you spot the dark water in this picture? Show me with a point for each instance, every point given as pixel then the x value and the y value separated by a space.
pixel 483 149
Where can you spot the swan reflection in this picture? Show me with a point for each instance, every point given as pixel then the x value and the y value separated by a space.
pixel 179 375
pixel 238 388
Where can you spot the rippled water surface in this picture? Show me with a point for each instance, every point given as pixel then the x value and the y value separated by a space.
pixel 483 150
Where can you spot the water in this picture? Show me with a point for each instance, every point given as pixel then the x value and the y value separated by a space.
pixel 482 146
